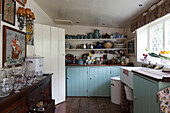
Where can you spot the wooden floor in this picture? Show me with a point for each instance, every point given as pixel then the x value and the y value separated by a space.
pixel 87 105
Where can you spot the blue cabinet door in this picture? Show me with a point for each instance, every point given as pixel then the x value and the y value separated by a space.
pixel 98 81
pixel 145 95
pixel 77 81
pixel 115 71
pixel 90 81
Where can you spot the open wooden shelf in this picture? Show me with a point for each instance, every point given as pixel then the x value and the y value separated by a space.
pixel 94 49
pixel 115 39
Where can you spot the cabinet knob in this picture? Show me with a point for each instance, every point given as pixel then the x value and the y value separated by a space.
pixel 134 97
pixel 90 78
pixel 67 77
pixel 33 100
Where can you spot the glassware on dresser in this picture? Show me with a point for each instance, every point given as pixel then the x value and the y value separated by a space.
pixel 5 87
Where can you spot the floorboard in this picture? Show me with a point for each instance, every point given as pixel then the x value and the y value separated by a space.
pixel 87 105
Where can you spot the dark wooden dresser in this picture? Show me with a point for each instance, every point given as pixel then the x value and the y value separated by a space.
pixel 25 100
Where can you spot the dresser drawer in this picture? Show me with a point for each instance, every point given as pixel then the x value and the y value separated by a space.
pixel 34 97
pixel 49 109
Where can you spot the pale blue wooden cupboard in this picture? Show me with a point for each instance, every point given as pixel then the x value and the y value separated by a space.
pixel 90 81
pixel 145 94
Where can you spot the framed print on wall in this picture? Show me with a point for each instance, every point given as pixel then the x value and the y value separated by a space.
pixel 8 11
pixel 22 2
pixel 30 34
pixel 14 46
pixel 131 46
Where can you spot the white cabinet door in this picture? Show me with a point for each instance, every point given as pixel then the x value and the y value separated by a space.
pixel 38 39
pixel 46 48
pixel 50 43
pixel 54 63
pixel 61 65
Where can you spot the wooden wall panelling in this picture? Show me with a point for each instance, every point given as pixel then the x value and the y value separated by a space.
pixel 54 62
pixel 46 48
pixel 38 40
pixel 61 65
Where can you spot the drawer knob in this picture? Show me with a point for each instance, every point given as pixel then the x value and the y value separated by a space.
pixel 33 100
pixel 54 107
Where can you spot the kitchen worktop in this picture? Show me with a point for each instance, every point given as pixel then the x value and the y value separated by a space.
pixel 157 75
pixel 88 65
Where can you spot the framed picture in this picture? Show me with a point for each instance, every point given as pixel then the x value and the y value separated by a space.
pixel 22 2
pixel 14 46
pixel 131 46
pixel 8 11
pixel 30 34
pixel 0 6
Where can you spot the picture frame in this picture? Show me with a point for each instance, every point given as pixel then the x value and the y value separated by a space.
pixel 8 11
pixel 0 6
pixel 30 34
pixel 14 46
pixel 131 46
pixel 22 2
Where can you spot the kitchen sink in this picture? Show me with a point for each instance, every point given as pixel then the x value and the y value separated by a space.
pixel 126 75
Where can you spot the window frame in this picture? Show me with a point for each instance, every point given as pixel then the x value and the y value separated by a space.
pixel 147 28
pixel 164 31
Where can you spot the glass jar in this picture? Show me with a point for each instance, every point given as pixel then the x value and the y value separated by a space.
pixel 5 87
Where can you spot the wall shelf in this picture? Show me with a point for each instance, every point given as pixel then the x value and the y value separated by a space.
pixel 94 49
pixel 115 39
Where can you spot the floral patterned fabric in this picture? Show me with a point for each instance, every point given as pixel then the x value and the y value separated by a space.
pixel 164 98
pixel 149 16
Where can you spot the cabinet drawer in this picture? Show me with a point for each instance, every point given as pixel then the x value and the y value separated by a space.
pixel 49 109
pixel 34 97
pixel 17 107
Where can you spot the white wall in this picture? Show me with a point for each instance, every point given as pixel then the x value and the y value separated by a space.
pixel 75 29
pixel 133 58
pixel 40 17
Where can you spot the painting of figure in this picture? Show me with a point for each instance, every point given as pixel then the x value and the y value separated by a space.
pixel 8 11
pixel 14 46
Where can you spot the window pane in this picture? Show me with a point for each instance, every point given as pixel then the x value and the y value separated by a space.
pixel 156 38
pixel 167 35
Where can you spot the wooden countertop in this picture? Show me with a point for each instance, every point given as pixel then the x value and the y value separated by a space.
pixel 89 65
pixel 157 75
pixel 15 96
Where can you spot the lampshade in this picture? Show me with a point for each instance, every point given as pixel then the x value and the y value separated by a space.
pixel 21 11
pixel 28 12
pixel 32 15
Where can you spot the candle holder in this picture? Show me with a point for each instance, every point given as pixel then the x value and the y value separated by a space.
pixel 25 15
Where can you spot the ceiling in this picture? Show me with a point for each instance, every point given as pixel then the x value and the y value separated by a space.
pixel 109 13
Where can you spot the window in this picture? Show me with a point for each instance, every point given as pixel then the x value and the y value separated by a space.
pixel 167 34
pixel 154 36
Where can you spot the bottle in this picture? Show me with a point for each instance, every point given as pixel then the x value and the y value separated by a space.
pixel 74 61
pixel 106 60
